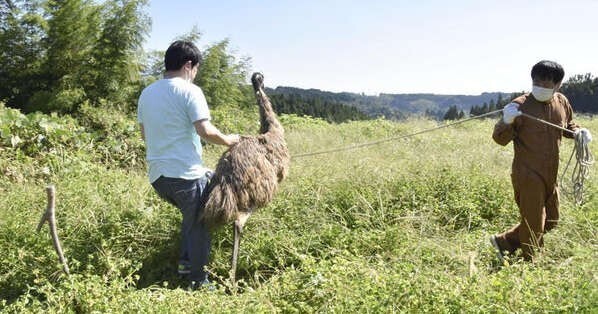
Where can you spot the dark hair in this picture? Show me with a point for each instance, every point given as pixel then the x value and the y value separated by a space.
pixel 548 70
pixel 178 53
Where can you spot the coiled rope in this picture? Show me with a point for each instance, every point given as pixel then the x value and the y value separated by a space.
pixel 583 156
pixel 581 170
pixel 583 160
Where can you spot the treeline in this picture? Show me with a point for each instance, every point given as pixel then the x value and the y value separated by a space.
pixel 57 56
pixel 63 55
pixel 394 106
pixel 316 107
pixel 453 113
pixel 476 110
pixel 493 105
pixel 582 92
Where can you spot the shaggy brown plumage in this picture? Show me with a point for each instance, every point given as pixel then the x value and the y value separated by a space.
pixel 248 173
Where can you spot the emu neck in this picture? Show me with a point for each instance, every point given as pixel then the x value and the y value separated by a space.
pixel 268 121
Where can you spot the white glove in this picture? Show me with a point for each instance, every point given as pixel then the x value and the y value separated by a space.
pixel 510 112
pixel 586 136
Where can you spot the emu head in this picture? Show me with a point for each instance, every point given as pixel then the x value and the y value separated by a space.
pixel 257 79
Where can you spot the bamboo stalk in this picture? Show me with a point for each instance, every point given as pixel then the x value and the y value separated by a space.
pixel 50 217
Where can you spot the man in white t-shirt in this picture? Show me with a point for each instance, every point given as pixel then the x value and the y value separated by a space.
pixel 173 114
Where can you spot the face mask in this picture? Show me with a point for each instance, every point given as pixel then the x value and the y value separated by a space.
pixel 542 94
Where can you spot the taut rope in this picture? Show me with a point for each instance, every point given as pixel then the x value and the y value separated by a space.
pixel 581 169
pixel 355 146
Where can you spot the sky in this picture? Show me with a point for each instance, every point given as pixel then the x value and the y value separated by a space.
pixel 442 47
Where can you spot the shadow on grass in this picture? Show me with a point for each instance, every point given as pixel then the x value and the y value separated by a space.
pixel 160 268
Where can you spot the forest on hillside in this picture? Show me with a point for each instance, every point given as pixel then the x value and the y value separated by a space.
pixel 330 111
pixel 581 90
pixel 45 66
pixel 390 106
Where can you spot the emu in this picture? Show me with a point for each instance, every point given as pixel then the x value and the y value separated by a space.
pixel 247 174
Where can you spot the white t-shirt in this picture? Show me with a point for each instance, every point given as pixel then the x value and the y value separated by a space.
pixel 167 109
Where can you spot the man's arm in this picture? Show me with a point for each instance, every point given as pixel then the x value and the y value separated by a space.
pixel 503 133
pixel 504 130
pixel 206 130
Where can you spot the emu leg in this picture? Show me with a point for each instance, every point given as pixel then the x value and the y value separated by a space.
pixel 237 230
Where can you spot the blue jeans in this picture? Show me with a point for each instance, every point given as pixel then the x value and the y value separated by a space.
pixel 186 195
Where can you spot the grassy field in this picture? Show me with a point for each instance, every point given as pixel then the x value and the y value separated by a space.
pixel 399 227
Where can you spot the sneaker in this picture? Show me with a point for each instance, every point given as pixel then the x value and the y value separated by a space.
pixel 184 269
pixel 499 254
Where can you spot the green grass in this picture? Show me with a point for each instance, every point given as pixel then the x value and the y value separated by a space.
pixel 388 228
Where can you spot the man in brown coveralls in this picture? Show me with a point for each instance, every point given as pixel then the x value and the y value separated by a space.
pixel 536 161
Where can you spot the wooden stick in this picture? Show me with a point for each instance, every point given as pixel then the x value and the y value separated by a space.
pixel 51 218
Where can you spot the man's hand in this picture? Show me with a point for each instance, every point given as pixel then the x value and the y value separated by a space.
pixel 233 139
pixel 510 112
pixel 586 136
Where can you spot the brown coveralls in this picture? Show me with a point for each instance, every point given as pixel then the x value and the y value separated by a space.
pixel 535 169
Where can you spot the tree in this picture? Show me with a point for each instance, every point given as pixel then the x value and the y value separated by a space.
pixel 66 49
pixel 452 113
pixel 22 29
pixel 222 77
pixel 65 62
pixel 116 66
pixel 499 101
pixel 194 35
pixel 582 91
pixel 152 66
pixel 492 105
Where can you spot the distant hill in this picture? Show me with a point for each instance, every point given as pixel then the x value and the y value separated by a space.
pixel 581 89
pixel 394 106
pixel 415 103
